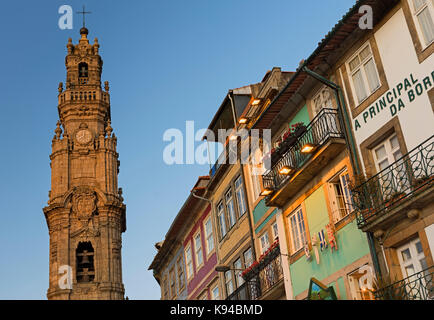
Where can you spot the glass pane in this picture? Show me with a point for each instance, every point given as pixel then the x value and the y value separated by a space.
pixel 406 255
pixel 419 248
pixel 295 235
pixel 354 63
pixel 248 258
pixel 359 86
pixel 397 155
pixel 371 75
pixel 381 153
pixel 418 4
pixel 365 53
pixel 427 25
pixel 423 263
pixel 409 270
pixel 394 142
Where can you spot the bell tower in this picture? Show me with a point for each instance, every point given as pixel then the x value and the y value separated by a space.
pixel 85 213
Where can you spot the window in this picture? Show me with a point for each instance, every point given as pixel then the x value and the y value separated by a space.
pixel 241 200
pixel 198 250
pixel 189 262
pixel 255 180
pixel 203 296
pixel 180 270
pixel 248 257
pixel 172 283
pixel 298 230
pixel 221 219
pixel 85 262
pixel 230 209
pixel 165 288
pixel 412 258
pixel 215 293
pixel 340 196
pixel 324 99
pixel 229 282
pixel 264 242
pixel 209 237
pixel 423 12
pixel 364 73
pixel 385 154
pixel 275 231
pixel 238 266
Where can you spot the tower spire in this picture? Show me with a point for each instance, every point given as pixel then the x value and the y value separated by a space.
pixel 84 30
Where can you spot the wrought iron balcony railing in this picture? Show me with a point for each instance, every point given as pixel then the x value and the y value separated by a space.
pixel 261 277
pixel 249 290
pixel 416 287
pixel 324 126
pixel 406 177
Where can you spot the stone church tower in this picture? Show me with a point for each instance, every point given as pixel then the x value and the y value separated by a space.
pixel 85 213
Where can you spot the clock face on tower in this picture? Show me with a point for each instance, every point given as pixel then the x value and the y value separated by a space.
pixel 83 136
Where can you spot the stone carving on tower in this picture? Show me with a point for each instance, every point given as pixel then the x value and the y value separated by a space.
pixel 85 214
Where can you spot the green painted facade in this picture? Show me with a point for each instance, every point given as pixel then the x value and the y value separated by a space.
pixel 301 116
pixel 270 216
pixel 352 245
pixel 259 211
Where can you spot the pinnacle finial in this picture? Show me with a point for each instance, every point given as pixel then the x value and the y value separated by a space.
pixel 58 130
pixel 109 129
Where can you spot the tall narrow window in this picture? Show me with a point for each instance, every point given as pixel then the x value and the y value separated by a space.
pixel 165 288
pixel 229 280
pixel 172 283
pixel 241 200
pixel 340 196
pixel 364 73
pixel 255 180
pixel 209 237
pixel 198 250
pixel 215 293
pixel 423 13
pixel 189 262
pixel 238 267
pixel 248 257
pixel 230 209
pixel 298 229
pixel 180 270
pixel 265 242
pixel 221 219
pixel 85 262
pixel 274 231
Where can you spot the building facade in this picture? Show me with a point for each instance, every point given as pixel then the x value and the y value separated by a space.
pixel 85 213
pixel 185 263
pixel 391 110
pixel 343 196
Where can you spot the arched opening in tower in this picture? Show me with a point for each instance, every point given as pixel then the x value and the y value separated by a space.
pixel 83 71
pixel 85 262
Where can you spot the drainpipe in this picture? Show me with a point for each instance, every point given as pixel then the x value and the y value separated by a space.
pixel 252 241
pixel 284 255
pixel 349 138
pixel 216 242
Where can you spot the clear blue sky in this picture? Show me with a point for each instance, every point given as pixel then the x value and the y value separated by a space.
pixel 167 62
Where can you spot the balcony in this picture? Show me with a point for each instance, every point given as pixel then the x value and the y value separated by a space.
pixel 322 140
pixel 407 181
pixel 264 279
pixel 416 287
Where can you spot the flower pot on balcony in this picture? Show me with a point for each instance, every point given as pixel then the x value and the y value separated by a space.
pixel 421 181
pixel 299 130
